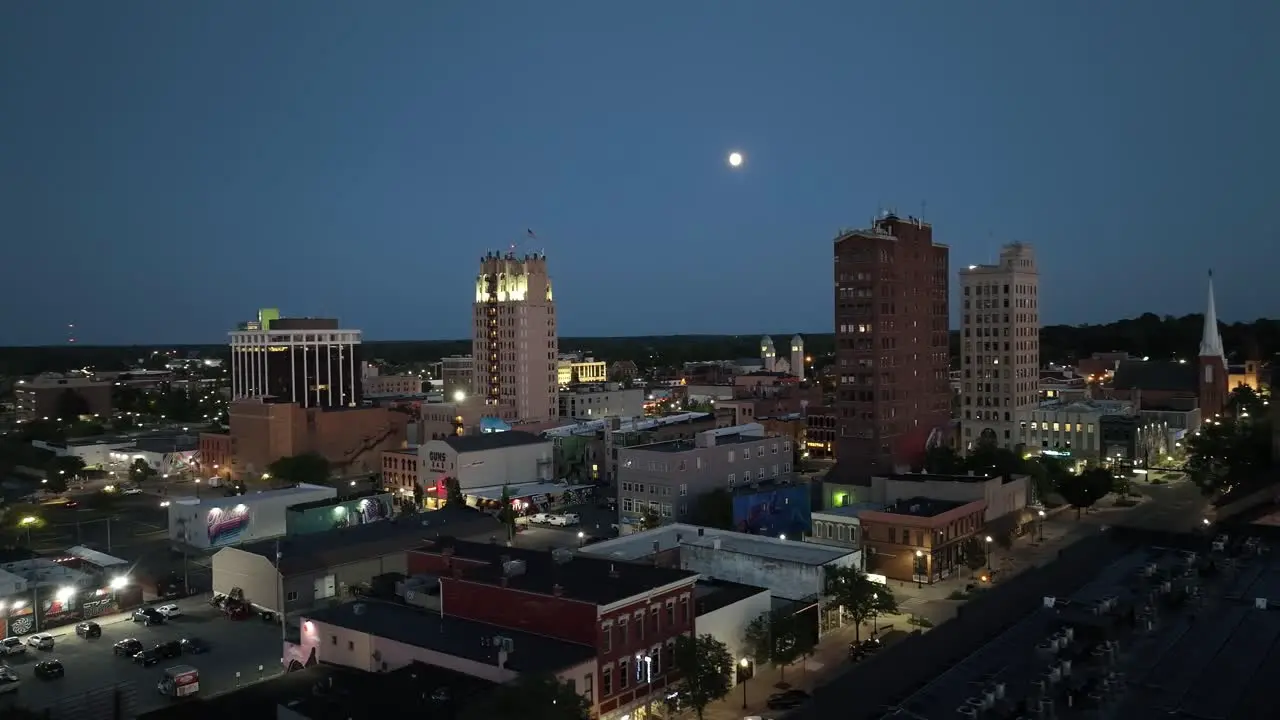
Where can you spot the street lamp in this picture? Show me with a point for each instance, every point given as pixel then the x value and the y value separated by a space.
pixel 743 664
pixel 582 538
pixel 919 567
pixel 197 481
pixel 118 583
pixel 1041 514
pixel 988 554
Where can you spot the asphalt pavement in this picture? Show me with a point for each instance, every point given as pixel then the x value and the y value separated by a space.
pixel 236 648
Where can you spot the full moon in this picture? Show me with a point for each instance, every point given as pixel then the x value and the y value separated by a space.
pixel 735 159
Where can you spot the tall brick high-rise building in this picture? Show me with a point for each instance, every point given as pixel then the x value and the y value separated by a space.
pixel 514 346
pixel 892 356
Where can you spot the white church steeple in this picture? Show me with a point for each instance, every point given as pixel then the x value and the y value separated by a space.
pixel 1210 340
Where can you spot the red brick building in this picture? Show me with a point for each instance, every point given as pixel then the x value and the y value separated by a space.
pixel 352 439
pixel 630 613
pixel 892 352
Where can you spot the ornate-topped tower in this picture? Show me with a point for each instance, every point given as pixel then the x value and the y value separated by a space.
pixel 797 356
pixel 1213 363
pixel 514 342
pixel 768 354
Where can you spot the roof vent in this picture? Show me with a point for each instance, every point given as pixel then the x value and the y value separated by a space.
pixel 613 570
pixel 358 608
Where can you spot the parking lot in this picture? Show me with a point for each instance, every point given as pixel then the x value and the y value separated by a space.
pixel 596 522
pixel 235 647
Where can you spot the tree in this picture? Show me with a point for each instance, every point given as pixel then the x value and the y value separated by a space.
pixel 308 468
pixel 532 697
pixel 791 640
pixel 943 460
pixel 758 640
pixel 704 664
pixel 507 513
pixel 650 519
pixel 859 596
pixel 797 456
pixel 70 405
pixel 1083 490
pixel 1229 452
pixel 453 493
pixel 713 509
pixel 60 470
pixel 975 553
pixel 418 497
pixel 140 471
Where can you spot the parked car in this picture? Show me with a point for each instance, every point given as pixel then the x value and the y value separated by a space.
pixel 89 629
pixel 12 646
pixel 170 649
pixel 49 670
pixel 9 680
pixel 169 611
pixel 40 641
pixel 131 491
pixel 147 658
pixel 787 699
pixel 565 520
pixel 148 616
pixel 194 646
pixel 127 647
pixel 541 518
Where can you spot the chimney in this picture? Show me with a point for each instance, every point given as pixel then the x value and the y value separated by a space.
pixel 557 590
pixel 613 570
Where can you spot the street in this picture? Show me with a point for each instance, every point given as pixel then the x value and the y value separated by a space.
pixel 236 647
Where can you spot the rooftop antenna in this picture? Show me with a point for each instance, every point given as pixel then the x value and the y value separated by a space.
pixel 71 333
pixel 924 206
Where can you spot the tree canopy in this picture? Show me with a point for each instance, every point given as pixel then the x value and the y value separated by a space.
pixel 309 468
pixel 779 637
pixel 703 664
pixel 1233 450
pixel 1083 490
pixel 988 459
pixel 454 495
pixel 860 597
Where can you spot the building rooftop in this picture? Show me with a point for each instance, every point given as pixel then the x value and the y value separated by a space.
pixel 299 491
pixel 454 636
pixel 315 551
pixel 922 507
pixel 591 427
pixel 645 543
pixel 1169 375
pixel 712 595
pixel 1103 407
pixel 46 572
pixel 522 491
pixel 326 502
pixel 938 477
pixel 850 510
pixel 172 444
pixel 771 548
pixel 492 441
pixel 736 435
pixel 578 577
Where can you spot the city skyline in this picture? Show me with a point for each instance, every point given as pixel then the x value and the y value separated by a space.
pixel 357 165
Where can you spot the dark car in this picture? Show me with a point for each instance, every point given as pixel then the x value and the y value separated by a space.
pixel 89 629
pixel 787 699
pixel 127 647
pixel 171 649
pixel 148 616
pixel 49 669
pixel 147 658
pixel 194 646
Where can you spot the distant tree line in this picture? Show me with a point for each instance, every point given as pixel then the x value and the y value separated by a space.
pixel 1145 335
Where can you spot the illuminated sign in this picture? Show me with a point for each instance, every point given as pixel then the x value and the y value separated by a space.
pixel 226 526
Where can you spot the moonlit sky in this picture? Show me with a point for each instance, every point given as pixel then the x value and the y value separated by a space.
pixel 169 167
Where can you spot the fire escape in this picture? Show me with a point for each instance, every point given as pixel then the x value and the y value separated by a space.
pixel 494 396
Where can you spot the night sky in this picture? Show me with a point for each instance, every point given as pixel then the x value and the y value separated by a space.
pixel 166 168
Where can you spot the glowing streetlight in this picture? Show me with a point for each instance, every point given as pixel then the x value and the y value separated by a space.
pixel 31 520
pixel 988 554
pixel 744 663
pixel 118 583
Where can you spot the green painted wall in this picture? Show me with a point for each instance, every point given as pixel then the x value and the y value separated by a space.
pixel 341 513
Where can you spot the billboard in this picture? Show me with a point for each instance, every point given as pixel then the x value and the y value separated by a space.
pixel 783 510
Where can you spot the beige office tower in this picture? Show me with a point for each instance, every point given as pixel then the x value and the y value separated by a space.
pixel 514 346
pixel 999 347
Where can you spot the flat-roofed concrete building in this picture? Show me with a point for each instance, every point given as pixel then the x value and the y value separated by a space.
pixel 53 396
pixel 602 400
pixel 667 477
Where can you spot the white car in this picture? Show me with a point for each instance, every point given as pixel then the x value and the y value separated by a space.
pixel 40 641
pixel 12 646
pixel 131 491
pixel 169 611
pixel 542 518
pixel 565 520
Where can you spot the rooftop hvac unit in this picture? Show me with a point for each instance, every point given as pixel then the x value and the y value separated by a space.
pixel 1046 708
pixel 1260 603
pixel 965 711
pixel 513 568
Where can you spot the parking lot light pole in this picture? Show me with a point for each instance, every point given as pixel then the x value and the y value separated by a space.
pixel 743 664
pixel 988 553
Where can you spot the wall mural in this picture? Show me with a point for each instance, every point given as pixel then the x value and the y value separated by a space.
pixel 226 526
pixel 367 510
